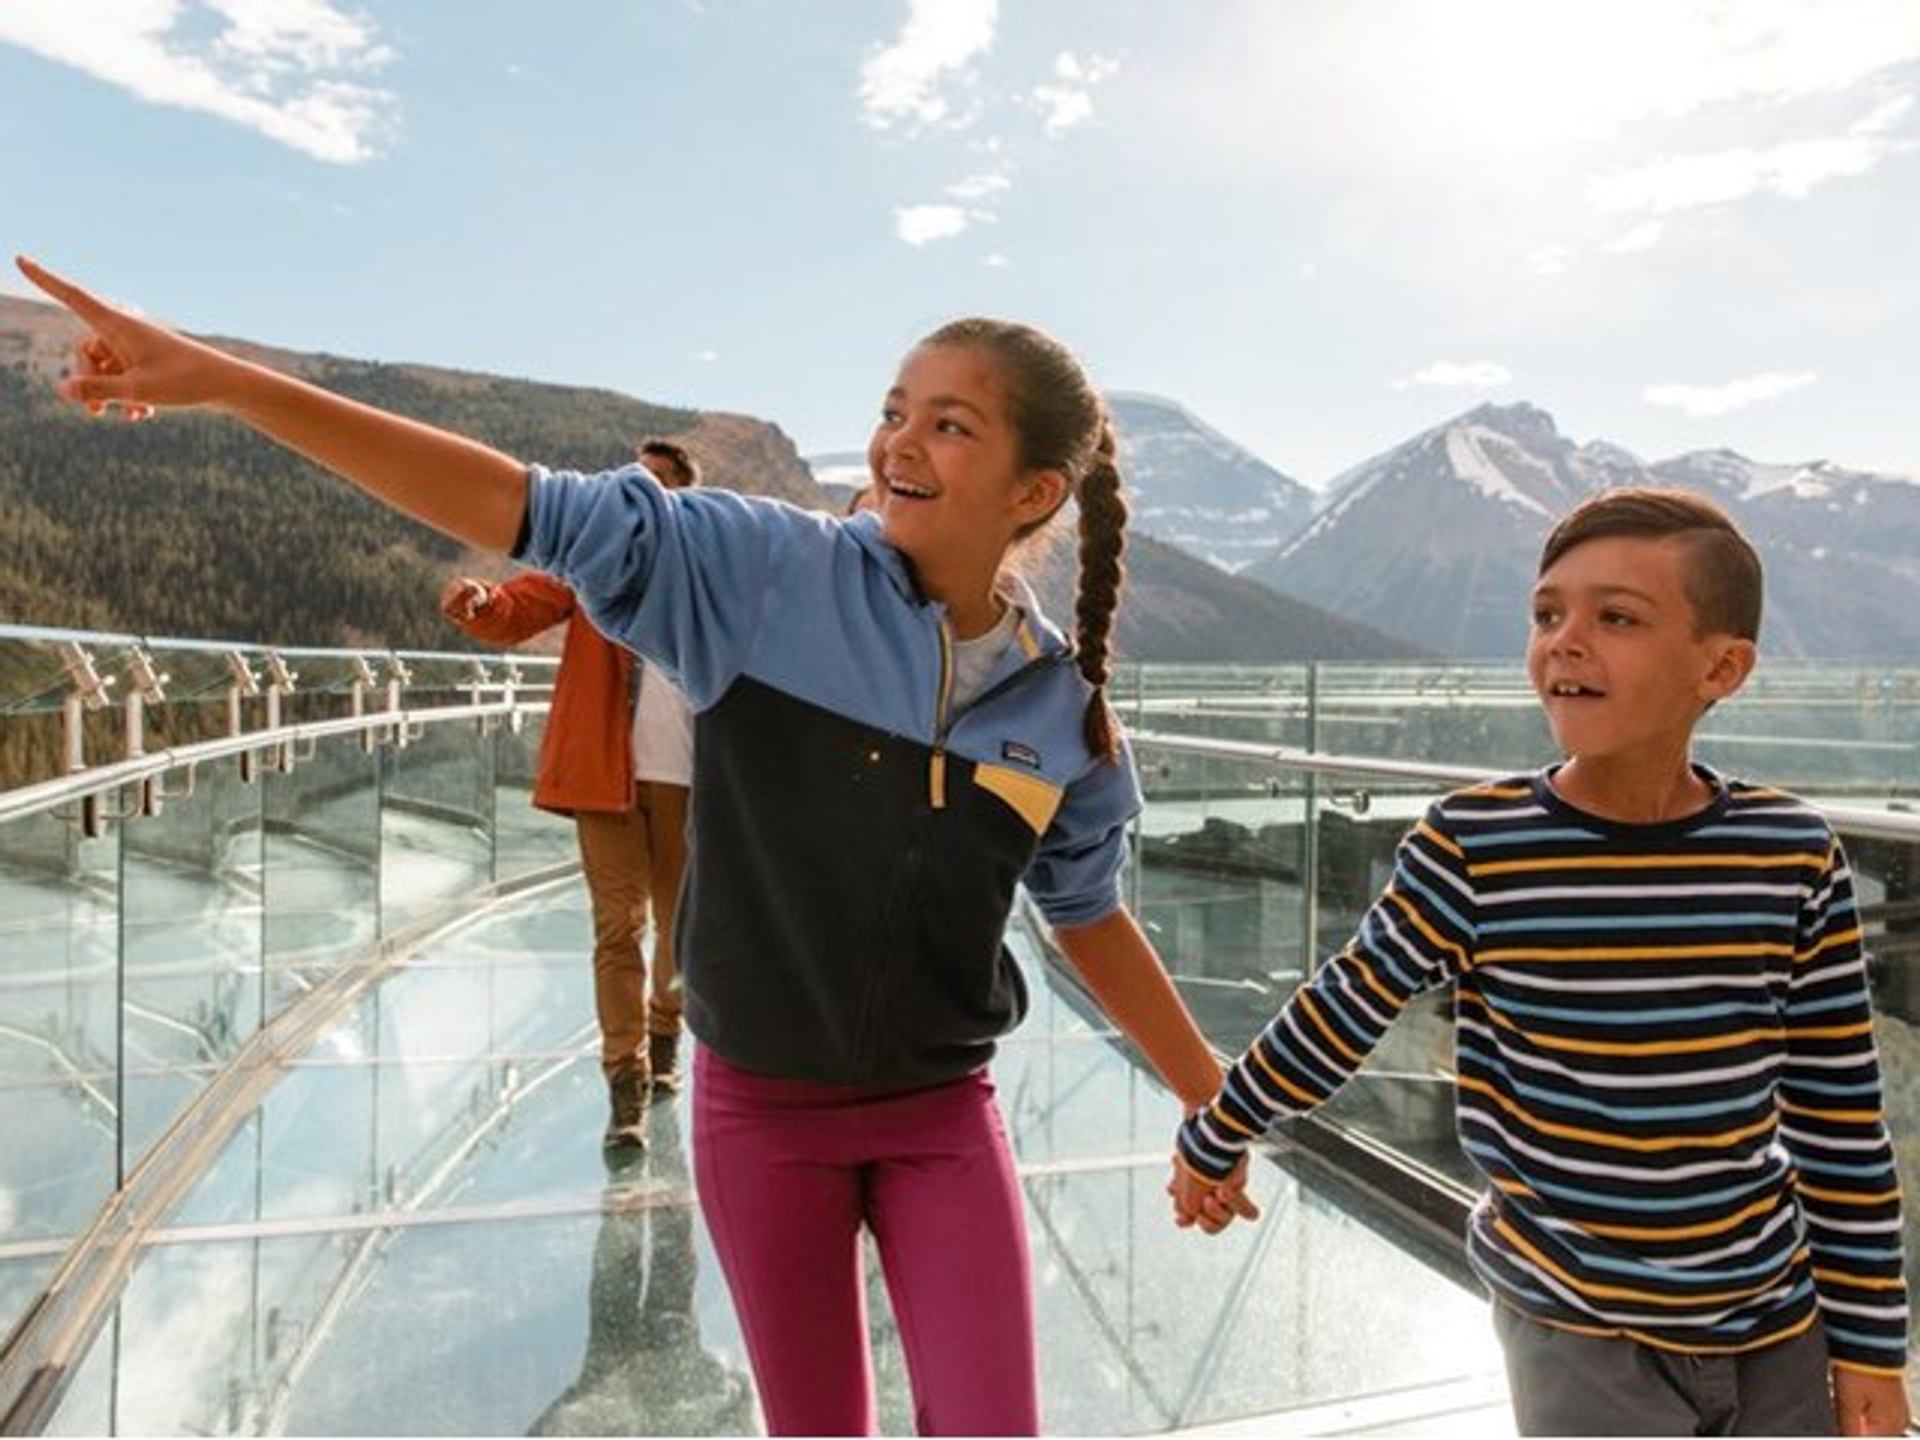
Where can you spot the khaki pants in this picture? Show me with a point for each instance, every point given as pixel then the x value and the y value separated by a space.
pixel 632 862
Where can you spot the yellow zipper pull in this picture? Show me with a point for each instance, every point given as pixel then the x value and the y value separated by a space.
pixel 937 778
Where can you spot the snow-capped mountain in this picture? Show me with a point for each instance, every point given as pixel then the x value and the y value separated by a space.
pixel 1817 505
pixel 1841 549
pixel 1437 538
pixel 1177 606
pixel 1193 487
pixel 1187 484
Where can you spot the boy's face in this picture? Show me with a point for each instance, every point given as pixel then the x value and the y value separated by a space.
pixel 1613 653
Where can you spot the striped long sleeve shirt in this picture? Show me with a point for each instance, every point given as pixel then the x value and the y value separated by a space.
pixel 1664 1058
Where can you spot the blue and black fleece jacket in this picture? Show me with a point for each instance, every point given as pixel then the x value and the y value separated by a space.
pixel 855 840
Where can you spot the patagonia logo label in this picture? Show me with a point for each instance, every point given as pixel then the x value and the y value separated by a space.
pixel 1020 754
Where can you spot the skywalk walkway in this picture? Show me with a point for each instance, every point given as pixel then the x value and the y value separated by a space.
pixel 416 1230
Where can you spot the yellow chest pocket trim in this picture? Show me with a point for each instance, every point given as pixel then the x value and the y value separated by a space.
pixel 1032 798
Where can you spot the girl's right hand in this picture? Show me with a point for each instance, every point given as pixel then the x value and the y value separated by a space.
pixel 132 364
pixel 461 487
pixel 1211 1204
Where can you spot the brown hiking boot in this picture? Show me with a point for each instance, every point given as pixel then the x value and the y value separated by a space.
pixel 627 1124
pixel 663 1052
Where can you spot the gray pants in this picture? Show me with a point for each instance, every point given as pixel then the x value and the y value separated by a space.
pixel 1569 1384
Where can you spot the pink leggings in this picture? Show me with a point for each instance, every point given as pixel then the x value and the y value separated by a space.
pixel 788 1171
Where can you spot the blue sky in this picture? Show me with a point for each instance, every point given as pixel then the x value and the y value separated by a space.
pixel 1321 225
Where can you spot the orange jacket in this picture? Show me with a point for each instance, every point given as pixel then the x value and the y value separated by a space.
pixel 586 757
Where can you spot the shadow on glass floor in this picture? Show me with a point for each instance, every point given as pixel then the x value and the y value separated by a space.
pixel 418 1232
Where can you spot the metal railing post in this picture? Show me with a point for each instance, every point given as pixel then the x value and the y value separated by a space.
pixel 1310 836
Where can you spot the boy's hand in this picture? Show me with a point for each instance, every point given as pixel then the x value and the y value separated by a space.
pixel 1869 1404
pixel 1210 1204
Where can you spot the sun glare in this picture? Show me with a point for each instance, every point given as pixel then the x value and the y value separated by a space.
pixel 1518 75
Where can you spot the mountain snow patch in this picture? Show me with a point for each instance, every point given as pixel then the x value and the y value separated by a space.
pixel 1466 453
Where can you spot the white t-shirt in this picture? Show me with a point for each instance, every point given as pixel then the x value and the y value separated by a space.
pixel 662 729
pixel 973 660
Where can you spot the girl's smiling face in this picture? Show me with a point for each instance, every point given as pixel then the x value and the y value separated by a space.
pixel 946 462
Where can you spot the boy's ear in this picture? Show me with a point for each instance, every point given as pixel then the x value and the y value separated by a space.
pixel 1732 662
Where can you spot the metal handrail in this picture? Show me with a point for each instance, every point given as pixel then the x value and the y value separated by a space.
pixel 1315 762
pixel 48 794
pixel 36 799
pixel 53 634
pixel 1846 819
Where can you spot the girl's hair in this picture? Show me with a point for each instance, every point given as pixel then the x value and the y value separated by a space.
pixel 1061 423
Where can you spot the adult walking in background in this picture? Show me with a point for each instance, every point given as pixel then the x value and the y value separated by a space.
pixel 618 757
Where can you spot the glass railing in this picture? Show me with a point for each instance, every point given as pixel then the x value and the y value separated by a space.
pixel 1258 862
pixel 429 1151
pixel 193 839
pixel 1243 894
pixel 199 843
pixel 1839 733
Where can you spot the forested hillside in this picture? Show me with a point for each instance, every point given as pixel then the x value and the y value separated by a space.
pixel 190 525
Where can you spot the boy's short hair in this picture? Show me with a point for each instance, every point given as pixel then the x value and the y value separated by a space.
pixel 1723 576
pixel 674 455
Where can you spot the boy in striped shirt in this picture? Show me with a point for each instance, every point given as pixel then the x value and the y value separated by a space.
pixel 1665 1059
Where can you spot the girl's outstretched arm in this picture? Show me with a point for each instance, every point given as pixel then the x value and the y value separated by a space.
pixel 456 485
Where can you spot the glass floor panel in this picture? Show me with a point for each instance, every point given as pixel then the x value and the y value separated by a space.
pixel 418 1232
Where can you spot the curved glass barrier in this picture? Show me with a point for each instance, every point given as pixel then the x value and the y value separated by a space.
pixel 419 1221
pixel 1839 734
pixel 418 1213
pixel 151 929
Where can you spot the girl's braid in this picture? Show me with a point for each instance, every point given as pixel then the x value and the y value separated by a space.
pixel 1103 541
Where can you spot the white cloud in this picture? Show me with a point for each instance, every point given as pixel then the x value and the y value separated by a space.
pixel 1550 260
pixel 1454 374
pixel 996 261
pixel 920 225
pixel 280 67
pixel 1703 402
pixel 1675 183
pixel 707 356
pixel 1643 236
pixel 979 187
pixel 1062 107
pixel 1067 100
pixel 901 82
pixel 1883 117
pixel 1632 60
